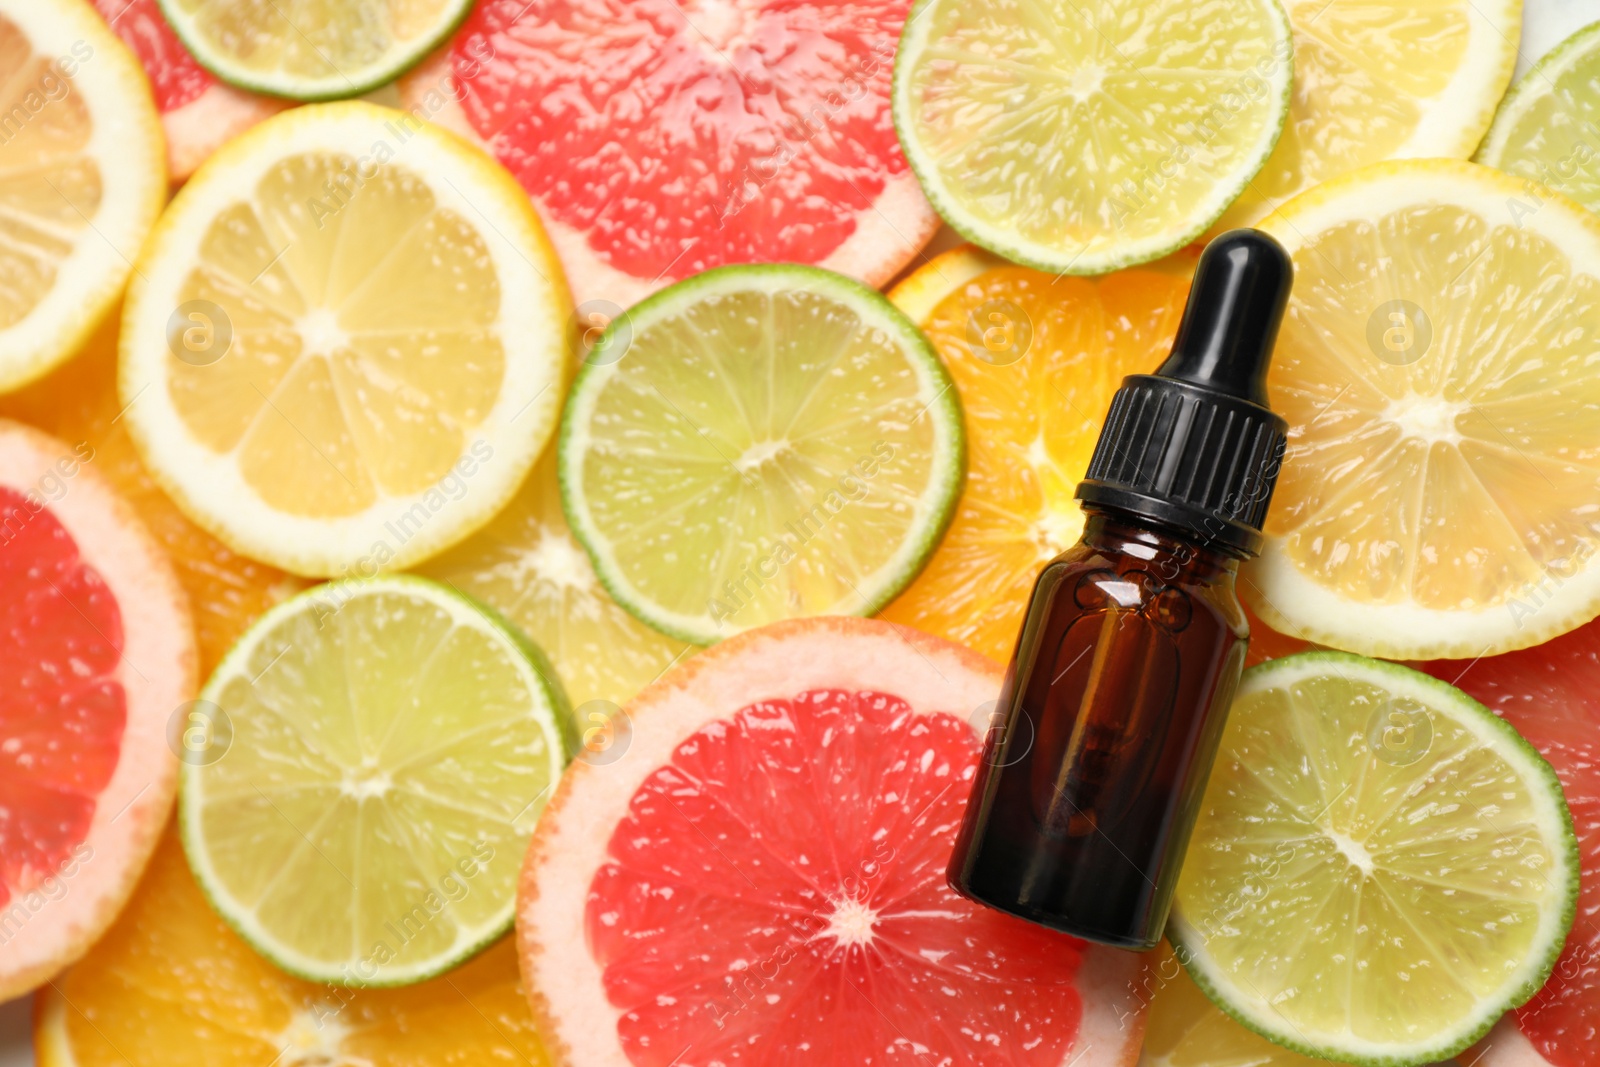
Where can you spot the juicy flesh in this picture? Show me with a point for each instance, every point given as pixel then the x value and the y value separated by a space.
pixel 1551 694
pixel 1454 471
pixel 1032 426
pixel 364 346
pixel 383 756
pixel 776 894
pixel 1553 140
pixel 321 41
pixel 50 188
pixel 62 708
pixel 527 565
pixel 170 984
pixel 175 77
pixel 773 450
pixel 1365 74
pixel 1085 127
pixel 679 137
pixel 1184 1029
pixel 1378 899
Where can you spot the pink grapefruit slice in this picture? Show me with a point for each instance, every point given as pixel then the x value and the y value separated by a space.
pixel 198 113
pixel 659 139
pixel 752 871
pixel 97 654
pixel 1551 694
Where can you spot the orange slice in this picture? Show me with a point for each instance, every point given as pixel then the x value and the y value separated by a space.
pixel 1036 360
pixel 172 986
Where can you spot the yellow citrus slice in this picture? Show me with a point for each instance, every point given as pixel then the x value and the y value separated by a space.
pixel 526 565
pixel 1183 1028
pixel 172 984
pixel 77 402
pixel 83 175
pixel 344 347
pixel 1035 359
pixel 1384 79
pixel 1439 366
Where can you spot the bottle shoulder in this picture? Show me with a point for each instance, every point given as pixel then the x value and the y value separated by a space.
pixel 1166 585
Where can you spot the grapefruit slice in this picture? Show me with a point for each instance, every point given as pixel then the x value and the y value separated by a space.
pixel 98 653
pixel 659 140
pixel 1551 694
pixel 198 113
pixel 759 877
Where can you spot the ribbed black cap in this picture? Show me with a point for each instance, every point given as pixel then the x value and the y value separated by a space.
pixel 1194 446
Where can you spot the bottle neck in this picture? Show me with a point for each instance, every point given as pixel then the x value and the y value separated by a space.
pixel 1114 531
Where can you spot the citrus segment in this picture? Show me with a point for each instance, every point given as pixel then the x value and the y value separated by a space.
pixel 1544 130
pixel 98 654
pixel 345 346
pixel 380 736
pixel 1184 1029
pixel 1436 367
pixel 1551 694
pixel 81 179
pixel 526 565
pixel 761 878
pixel 1383 79
pixel 1080 139
pixel 765 136
pixel 316 49
pixel 767 442
pixel 1036 360
pixel 198 113
pixel 1380 867
pixel 78 403
pixel 171 984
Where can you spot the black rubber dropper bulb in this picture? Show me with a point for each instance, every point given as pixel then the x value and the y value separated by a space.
pixel 1134 640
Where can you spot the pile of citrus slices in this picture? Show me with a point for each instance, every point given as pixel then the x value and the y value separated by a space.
pixel 512 519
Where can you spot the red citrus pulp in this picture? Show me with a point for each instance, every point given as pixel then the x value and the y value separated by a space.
pixel 757 875
pixel 1551 694
pixel 198 113
pixel 97 651
pixel 659 139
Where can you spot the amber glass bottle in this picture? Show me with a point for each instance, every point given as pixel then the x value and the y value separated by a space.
pixel 1134 639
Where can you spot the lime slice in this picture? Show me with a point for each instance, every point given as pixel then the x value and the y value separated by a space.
pixel 378 753
pixel 312 49
pixel 1081 138
pixel 1545 128
pixel 759 443
pixel 1380 867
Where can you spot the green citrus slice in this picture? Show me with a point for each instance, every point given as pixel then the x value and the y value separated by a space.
pixel 759 443
pixel 1380 867
pixel 1545 128
pixel 312 49
pixel 1081 138
pixel 370 761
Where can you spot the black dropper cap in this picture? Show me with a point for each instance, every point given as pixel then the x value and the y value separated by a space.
pixel 1194 446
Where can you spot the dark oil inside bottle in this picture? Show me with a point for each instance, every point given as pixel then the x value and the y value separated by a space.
pixel 1105 732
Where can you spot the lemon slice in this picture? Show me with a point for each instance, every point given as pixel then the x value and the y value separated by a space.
pixel 312 49
pixel 345 346
pixel 1439 367
pixel 1079 138
pixel 372 744
pixel 1380 867
pixel 83 175
pixel 1546 128
pixel 1384 79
